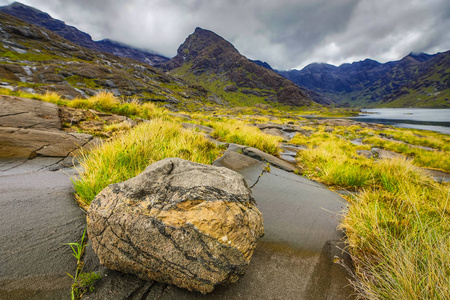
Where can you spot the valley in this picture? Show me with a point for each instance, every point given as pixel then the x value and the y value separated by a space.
pixel 352 209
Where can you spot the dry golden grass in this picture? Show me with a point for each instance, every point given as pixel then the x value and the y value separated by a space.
pixel 239 132
pixel 129 153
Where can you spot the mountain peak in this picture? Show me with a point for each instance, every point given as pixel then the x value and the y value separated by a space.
pixel 212 58
pixel 18 5
pixel 26 13
pixel 419 56
pixel 204 43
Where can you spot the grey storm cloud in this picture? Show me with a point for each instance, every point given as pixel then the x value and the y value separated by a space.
pixel 285 33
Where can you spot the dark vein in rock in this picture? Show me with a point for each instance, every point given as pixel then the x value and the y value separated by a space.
pixel 13 114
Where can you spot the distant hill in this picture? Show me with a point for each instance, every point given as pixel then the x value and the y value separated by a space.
pixel 214 63
pixel 36 60
pixel 430 87
pixel 39 18
pixel 417 80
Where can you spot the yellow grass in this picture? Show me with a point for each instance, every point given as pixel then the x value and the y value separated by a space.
pixel 128 154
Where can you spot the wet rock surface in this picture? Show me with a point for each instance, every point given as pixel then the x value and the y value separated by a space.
pixel 275 161
pixel 178 222
pixel 38 213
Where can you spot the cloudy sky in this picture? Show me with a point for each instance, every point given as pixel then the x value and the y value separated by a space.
pixel 285 33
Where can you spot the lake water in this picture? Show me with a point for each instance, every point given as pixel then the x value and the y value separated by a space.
pixel 419 118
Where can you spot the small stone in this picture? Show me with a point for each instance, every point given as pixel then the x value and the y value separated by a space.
pixel 365 153
pixel 385 154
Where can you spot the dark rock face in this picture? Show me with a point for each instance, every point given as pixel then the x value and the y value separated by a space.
pixel 39 18
pixel 262 64
pixel 178 222
pixel 208 54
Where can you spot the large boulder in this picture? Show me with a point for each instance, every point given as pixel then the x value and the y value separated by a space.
pixel 178 222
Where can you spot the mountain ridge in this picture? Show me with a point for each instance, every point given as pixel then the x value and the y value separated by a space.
pixel 369 83
pixel 34 16
pixel 216 63
pixel 35 59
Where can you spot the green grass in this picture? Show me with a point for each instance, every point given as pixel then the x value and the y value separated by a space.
pixel 82 282
pixel 103 101
pixel 89 82
pixel 15 56
pixel 128 154
pixel 398 223
pixel 439 160
pixel 419 137
pixel 328 159
pixel 239 132
pixel 399 236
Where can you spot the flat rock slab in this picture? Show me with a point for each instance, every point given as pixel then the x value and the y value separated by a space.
pixel 385 154
pixel 439 176
pixel 278 132
pixel 18 142
pixel 28 113
pixel 275 161
pixel 30 128
pixel 37 215
pixel 294 260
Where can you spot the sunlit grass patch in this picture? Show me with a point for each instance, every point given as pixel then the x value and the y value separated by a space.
pixel 329 159
pixel 421 138
pixel 424 158
pixel 233 131
pixel 128 154
pixel 49 96
pixel 399 239
pixel 398 224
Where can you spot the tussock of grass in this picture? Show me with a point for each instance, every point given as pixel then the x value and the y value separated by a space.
pixel 128 154
pixel 103 101
pixel 397 228
pixel 107 102
pixel 421 138
pixel 49 96
pixel 328 159
pixel 239 132
pixel 424 158
pixel 399 236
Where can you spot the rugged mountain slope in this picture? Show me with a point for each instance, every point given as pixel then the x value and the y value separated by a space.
pixel 430 87
pixel 339 83
pixel 37 17
pixel 37 59
pixel 370 83
pixel 213 62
